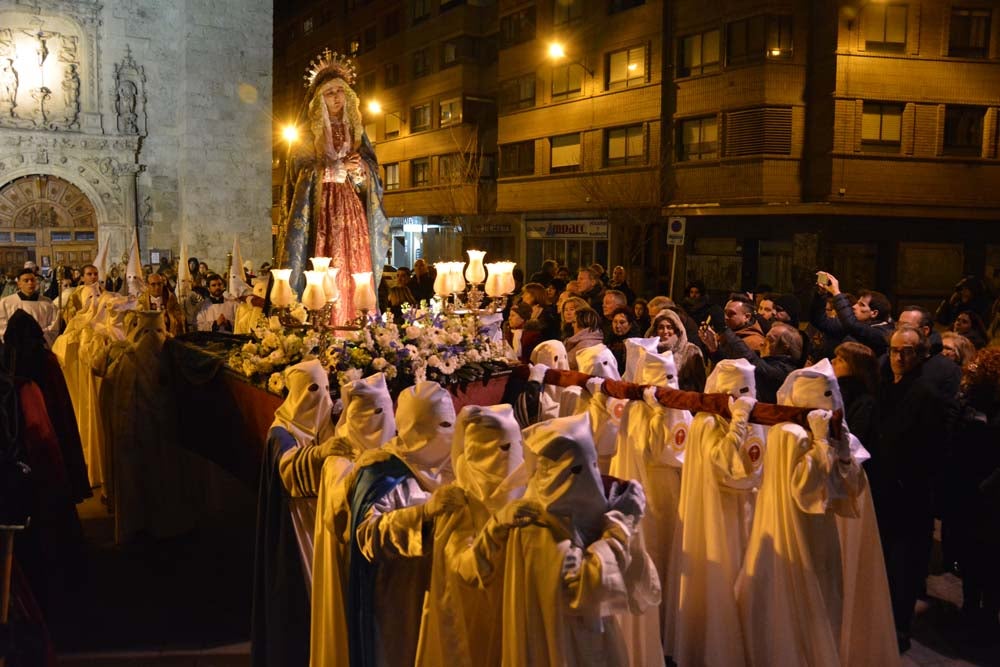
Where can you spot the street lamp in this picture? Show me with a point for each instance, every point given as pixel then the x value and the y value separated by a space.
pixel 290 133
pixel 557 52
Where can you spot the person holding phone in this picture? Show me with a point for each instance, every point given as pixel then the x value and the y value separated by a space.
pixel 868 321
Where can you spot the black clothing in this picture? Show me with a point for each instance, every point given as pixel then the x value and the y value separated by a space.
pixel 769 372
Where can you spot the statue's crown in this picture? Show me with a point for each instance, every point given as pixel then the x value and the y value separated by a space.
pixel 330 62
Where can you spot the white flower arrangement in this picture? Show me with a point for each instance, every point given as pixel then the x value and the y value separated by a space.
pixel 447 348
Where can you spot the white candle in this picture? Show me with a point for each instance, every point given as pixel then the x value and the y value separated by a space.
pixel 494 284
pixel 364 294
pixel 441 279
pixel 320 263
pixel 314 298
pixel 330 285
pixel 281 290
pixel 507 277
pixel 475 274
pixel 456 282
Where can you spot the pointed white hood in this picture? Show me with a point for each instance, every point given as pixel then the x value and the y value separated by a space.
pixel 367 421
pixel 566 480
pixel 486 450
pixel 306 412
pixel 632 347
pixel 734 377
pixel 814 386
pixel 134 280
pixel 425 423
pixel 237 284
pixel 552 353
pixel 656 369
pixel 599 361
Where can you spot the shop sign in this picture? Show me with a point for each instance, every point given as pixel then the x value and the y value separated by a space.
pixel 567 229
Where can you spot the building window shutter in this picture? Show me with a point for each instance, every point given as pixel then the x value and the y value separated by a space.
pixel 756 131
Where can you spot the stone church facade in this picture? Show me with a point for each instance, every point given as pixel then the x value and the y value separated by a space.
pixel 134 116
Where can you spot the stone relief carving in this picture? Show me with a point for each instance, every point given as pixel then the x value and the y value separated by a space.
pixel 130 95
pixel 26 55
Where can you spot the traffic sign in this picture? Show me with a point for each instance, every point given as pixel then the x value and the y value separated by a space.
pixel 675 230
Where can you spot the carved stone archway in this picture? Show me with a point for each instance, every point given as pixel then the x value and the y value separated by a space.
pixel 48 220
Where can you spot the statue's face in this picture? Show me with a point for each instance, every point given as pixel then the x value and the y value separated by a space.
pixel 334 99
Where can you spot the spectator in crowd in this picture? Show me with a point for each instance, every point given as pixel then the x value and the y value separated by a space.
pixel 398 296
pixel 973 500
pixel 739 319
pixel 586 333
pixel 941 372
pixel 620 282
pixel 523 333
pixel 969 296
pixel 590 288
pixel 422 281
pixel 856 369
pixel 563 273
pixel 779 354
pixel 543 312
pixel 600 275
pixel 622 325
pixel 658 303
pixel 696 304
pixel 610 302
pixel 765 312
pixel 669 328
pixel 156 296
pixel 568 314
pixel 554 289
pixel 640 309
pixel 969 324
pixel 546 273
pixel 868 321
pixel 904 468
pixel 957 348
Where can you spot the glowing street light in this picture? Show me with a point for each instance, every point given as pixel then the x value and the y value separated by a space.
pixel 375 107
pixel 290 133
pixel 557 52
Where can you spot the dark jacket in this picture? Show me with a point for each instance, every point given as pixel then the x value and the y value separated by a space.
pixel 769 372
pixel 876 336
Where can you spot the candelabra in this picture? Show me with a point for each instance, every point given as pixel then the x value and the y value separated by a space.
pixel 499 282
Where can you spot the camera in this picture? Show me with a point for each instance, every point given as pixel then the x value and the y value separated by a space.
pixel 822 278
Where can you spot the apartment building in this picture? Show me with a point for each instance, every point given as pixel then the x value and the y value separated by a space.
pixel 856 137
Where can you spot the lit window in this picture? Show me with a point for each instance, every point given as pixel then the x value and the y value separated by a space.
pixel 963 130
pixel 698 54
pixel 625 145
pixel 565 152
pixel 420 117
pixel 758 37
pixel 969 34
pixel 881 127
pixel 885 27
pixel 698 139
pixel 420 172
pixel 627 68
pixel 392 176
pixel 451 112
pixel 567 81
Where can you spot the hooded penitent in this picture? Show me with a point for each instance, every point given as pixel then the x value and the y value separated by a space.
pixel 486 450
pixel 867 629
pixel 551 353
pixel 790 592
pixel 459 623
pixel 605 412
pixel 715 513
pixel 367 420
pixel 425 423
pixel 306 411
pixel 632 347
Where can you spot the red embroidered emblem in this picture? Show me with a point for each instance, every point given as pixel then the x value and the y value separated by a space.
pixel 754 451
pixel 680 435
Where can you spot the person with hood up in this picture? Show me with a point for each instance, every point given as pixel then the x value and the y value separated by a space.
pixel 551 354
pixel 867 631
pixel 300 437
pixel 722 468
pixel 669 329
pixel 605 412
pixel 650 448
pixel 790 590
pixel 366 423
pixel 571 567
pixel 385 599
pixel 459 625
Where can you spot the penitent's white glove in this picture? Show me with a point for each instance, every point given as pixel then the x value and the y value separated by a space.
pixel 594 386
pixel 649 397
pixel 819 425
pixel 739 410
pixel 537 373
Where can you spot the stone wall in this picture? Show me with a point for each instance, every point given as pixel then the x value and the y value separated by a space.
pixel 178 95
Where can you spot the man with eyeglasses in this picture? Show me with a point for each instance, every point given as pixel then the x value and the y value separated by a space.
pixel 157 297
pixel 904 469
pixel 941 371
pixel 28 299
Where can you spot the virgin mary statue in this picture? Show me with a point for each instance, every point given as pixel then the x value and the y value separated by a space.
pixel 332 194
